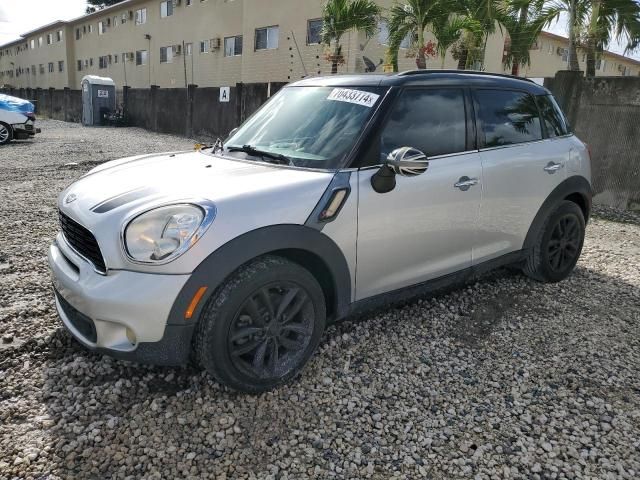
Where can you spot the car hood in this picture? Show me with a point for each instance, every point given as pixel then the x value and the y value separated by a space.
pixel 180 175
pixel 247 195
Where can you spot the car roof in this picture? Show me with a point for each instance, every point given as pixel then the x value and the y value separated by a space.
pixel 463 78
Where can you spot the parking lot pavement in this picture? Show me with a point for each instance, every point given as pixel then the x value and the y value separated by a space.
pixel 505 378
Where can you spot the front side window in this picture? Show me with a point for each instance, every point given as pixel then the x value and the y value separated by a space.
pixel 141 16
pixel 431 120
pixel 233 46
pixel 141 57
pixel 314 31
pixel 552 116
pixel 507 117
pixel 267 38
pixel 314 127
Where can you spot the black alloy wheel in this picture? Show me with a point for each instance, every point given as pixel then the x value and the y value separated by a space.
pixel 260 328
pixel 271 330
pixel 565 243
pixel 558 244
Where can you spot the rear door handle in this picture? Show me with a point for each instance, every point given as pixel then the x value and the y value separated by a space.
pixel 552 167
pixel 465 183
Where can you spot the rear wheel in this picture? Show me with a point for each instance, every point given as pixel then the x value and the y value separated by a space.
pixel 558 246
pixel 5 133
pixel 260 329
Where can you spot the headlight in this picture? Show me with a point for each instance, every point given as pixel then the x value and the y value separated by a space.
pixel 162 234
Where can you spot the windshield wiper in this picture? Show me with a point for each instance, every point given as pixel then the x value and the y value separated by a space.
pixel 278 157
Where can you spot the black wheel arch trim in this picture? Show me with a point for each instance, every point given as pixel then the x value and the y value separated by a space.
pixel 570 186
pixel 213 271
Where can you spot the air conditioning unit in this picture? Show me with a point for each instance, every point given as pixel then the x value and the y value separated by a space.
pixel 176 3
pixel 214 43
pixel 177 49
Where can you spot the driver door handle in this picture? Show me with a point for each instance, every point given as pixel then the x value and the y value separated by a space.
pixel 552 167
pixel 465 183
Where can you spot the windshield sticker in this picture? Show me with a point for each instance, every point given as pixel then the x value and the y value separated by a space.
pixel 366 99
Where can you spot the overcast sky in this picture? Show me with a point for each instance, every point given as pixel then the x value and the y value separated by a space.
pixel 20 16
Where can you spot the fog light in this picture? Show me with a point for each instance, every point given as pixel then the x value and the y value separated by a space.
pixel 131 336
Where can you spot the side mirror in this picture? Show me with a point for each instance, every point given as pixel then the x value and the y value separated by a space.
pixel 405 161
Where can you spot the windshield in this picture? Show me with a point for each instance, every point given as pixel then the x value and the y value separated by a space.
pixel 313 127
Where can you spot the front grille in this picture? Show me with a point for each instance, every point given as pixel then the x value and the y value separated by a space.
pixel 81 322
pixel 82 241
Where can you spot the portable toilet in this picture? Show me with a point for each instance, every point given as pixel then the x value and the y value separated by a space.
pixel 98 98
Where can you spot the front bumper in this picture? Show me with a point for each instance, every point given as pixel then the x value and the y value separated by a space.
pixel 22 131
pixel 123 314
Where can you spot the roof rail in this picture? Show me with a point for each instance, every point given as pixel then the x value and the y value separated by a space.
pixel 463 72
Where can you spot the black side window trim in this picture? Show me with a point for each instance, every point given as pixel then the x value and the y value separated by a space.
pixel 478 121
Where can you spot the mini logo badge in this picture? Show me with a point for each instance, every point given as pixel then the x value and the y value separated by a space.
pixel 70 198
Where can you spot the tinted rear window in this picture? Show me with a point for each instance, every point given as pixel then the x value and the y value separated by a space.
pixel 508 117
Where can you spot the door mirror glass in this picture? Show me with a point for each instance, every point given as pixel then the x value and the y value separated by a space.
pixel 407 161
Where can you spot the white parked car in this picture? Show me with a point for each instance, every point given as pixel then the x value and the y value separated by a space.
pixel 17 119
pixel 340 194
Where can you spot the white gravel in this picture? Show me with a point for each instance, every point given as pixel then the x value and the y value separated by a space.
pixel 506 378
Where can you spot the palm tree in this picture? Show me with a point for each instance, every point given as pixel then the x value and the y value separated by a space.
pixel 449 29
pixel 484 13
pixel 608 20
pixel 523 20
pixel 576 11
pixel 411 19
pixel 340 16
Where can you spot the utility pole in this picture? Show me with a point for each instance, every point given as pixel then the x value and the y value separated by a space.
pixel 184 62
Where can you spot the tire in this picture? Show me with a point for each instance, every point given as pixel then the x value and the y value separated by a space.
pixel 558 246
pixel 260 328
pixel 6 133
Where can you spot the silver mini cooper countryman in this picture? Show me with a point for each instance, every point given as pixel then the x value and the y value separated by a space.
pixel 340 194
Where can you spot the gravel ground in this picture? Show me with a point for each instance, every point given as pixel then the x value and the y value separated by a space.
pixel 506 378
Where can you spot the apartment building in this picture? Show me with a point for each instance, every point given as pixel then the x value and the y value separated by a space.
pixel 172 43
pixel 40 59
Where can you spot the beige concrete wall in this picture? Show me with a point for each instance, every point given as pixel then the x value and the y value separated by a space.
pixel 204 20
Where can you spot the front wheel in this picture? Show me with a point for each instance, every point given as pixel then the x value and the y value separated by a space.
pixel 5 133
pixel 558 245
pixel 261 327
